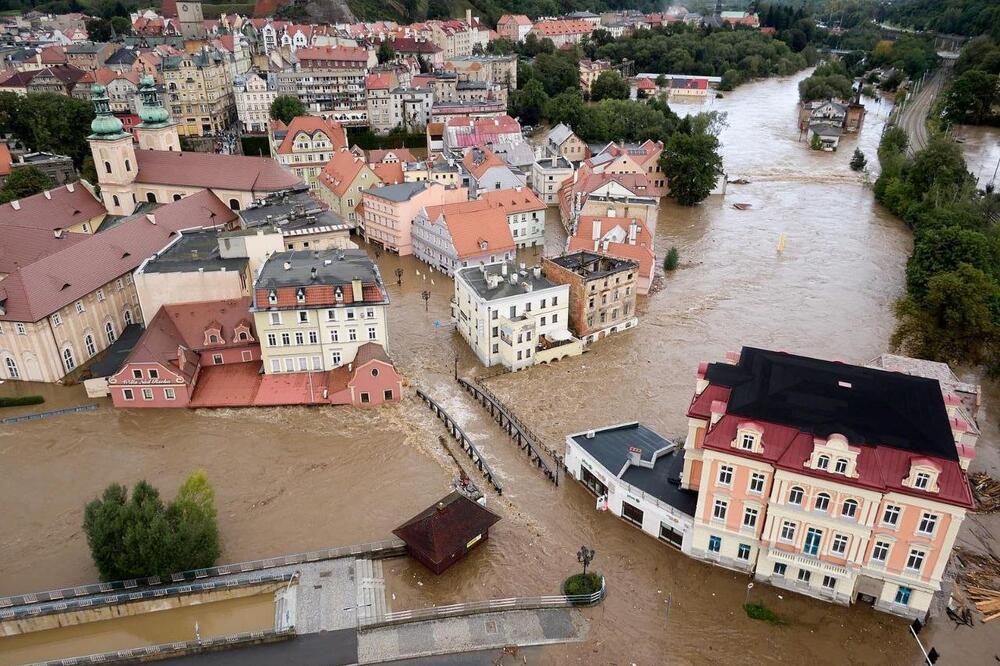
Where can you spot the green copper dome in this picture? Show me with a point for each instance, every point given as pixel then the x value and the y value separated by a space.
pixel 105 125
pixel 152 112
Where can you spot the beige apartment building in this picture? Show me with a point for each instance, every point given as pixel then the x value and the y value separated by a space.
pixel 199 90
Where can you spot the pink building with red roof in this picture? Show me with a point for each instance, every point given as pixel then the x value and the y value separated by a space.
pixel 837 481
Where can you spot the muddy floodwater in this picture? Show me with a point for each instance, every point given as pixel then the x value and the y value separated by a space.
pixel 295 479
pixel 981 146
pixel 220 618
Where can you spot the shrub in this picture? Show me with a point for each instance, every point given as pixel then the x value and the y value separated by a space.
pixel 19 401
pixel 670 261
pixel 582 584
pixel 762 612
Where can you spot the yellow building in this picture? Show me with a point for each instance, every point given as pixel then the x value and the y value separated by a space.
pixel 199 90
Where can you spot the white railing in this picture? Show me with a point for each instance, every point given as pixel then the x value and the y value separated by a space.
pixel 487 606
pixel 804 560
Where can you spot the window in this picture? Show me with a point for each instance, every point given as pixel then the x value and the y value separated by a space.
pixel 849 509
pixel 127 394
pixel 303 316
pixel 915 560
pixel 352 334
pixel 272 298
pixel 151 197
pixel 275 318
pixel 787 531
pixel 811 544
pixel 922 482
pixel 804 575
pixel 747 441
pixel 107 169
pixel 299 338
pixel 928 521
pixel 714 544
pixel 350 313
pixel 725 475
pixel 822 502
pixel 56 319
pixel 555 317
pixel 841 466
pixel 334 336
pixel 119 285
pixel 331 315
pixel 21 330
pixel 750 517
pixel 757 482
pixel 79 307
pixel 387 394
pixel 275 365
pixel 136 374
pixel 743 552
pixel 839 545
pixel 286 339
pixel 147 394
pixel 127 317
pixel 371 332
pixel 719 511
pixel 68 360
pixel 891 515
pixel 780 568
pixel 168 394
pixel 829 582
pixel 880 553
pixel 335 357
pixel 217 359
pixel 903 595
pixel 822 462
pixel 795 496
pixel 272 340
pixel 11 365
pixel 313 337
pixel 234 204
pixel 100 295
pixel 632 513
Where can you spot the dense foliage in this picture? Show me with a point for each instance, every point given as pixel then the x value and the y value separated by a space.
pixel 910 53
pixel 951 311
pixel 691 163
pixel 960 17
pixel 829 80
pixel 609 85
pixel 48 122
pixel 23 183
pixel 137 535
pixel 734 55
pixel 18 401
pixel 972 95
pixel 286 107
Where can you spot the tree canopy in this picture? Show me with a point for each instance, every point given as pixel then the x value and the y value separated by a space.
pixel 48 122
pixel 972 95
pixel 828 81
pixel 692 165
pixel 286 107
pixel 23 183
pixel 609 85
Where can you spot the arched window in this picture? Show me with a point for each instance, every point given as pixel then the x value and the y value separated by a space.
pixel 68 359
pixel 151 197
pixel 841 466
pixel 234 204
pixel 11 365
pixel 114 200
pixel 243 336
pixel 128 165
pixel 127 316
pixel 107 167
pixel 822 502
pixel 795 496
pixel 109 330
pixel 88 343
pixel 823 462
pixel 849 509
pixel 213 339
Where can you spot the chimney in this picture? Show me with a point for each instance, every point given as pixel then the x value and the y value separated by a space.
pixel 356 292
pixel 606 244
pixel 717 409
pixel 702 383
pixel 596 230
pixel 15 204
pixel 468 17
pixel 634 455
pixel 287 266
pixel 537 272
pixel 150 218
pixel 633 228
pixel 312 273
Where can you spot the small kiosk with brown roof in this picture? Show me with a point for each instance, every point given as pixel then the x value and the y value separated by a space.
pixel 444 533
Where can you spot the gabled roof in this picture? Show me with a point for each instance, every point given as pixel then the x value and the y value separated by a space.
pixel 388 172
pixel 225 172
pixel 310 125
pixel 472 224
pixel 477 161
pixel 443 530
pixel 56 209
pixel 550 28
pixel 517 200
pixel 333 54
pixel 401 155
pixel 341 171
pixel 37 290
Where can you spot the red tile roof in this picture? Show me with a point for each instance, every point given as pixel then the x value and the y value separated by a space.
pixel 20 246
pixel 224 172
pixel 642 251
pixel 401 154
pixel 516 19
pixel 478 161
pixel 381 81
pixel 37 290
pixel 192 319
pixel 341 171
pixel 517 200
pixel 227 385
pixel 310 125
pixel 550 28
pixel 353 55
pixel 441 534
pixel 390 173
pixel 59 208
pixel 291 388
pixel 471 223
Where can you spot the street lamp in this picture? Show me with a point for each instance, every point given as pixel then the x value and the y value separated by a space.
pixel 399 277
pixel 585 556
pixel 426 295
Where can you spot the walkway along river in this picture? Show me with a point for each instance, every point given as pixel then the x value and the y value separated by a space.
pixel 296 479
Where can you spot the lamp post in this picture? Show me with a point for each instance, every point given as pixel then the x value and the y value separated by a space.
pixel 585 556
pixel 426 295
pixel 399 277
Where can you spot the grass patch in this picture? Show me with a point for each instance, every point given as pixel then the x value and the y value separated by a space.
pixel 762 612
pixel 20 401
pixel 582 584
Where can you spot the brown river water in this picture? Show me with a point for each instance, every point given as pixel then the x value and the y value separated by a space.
pixel 294 479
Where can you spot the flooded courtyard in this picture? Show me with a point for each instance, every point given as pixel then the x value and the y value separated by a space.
pixel 294 479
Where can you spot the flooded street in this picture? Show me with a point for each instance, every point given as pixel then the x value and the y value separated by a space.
pixel 295 479
pixel 981 146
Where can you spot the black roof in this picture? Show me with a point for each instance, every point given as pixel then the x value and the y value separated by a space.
pixel 113 358
pixel 866 405
pixel 195 250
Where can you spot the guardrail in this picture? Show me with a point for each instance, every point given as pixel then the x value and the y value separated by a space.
pixel 374 549
pixel 488 606
pixel 44 415
pixel 164 650
pixel 464 441
pixel 517 431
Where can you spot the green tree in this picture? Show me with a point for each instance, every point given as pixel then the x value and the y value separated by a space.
pixel 566 107
pixel 557 72
pixel 286 107
pixel 829 80
pixel 528 104
pixel 385 52
pixel 692 165
pixel 971 97
pixel 671 260
pixel 23 183
pixel 942 250
pixel 48 122
pixel 98 29
pixel 122 25
pixel 858 160
pixel 609 85
pixel 138 536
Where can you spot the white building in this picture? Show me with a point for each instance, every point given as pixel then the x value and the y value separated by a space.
pixel 632 468
pixel 254 96
pixel 515 318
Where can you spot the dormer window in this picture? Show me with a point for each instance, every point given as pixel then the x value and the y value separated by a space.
pixel 922 481
pixel 923 476
pixel 823 462
pixel 338 295
pixel 272 297
pixel 841 466
pixel 747 441
pixel 300 295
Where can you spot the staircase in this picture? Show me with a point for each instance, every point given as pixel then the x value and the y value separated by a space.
pixel 370 580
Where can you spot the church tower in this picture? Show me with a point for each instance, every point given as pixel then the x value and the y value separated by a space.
pixel 114 156
pixel 192 21
pixel 156 131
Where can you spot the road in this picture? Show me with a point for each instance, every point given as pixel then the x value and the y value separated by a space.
pixel 913 118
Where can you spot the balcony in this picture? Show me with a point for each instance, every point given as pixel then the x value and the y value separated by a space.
pixel 803 560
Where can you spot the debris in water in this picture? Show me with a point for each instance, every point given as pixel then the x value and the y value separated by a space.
pixel 986 490
pixel 742 206
pixel 739 181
